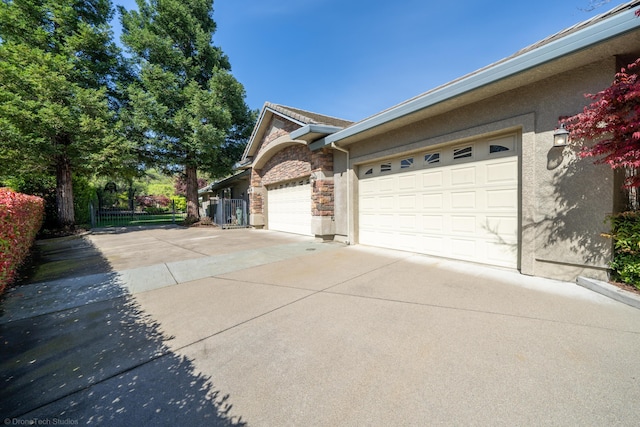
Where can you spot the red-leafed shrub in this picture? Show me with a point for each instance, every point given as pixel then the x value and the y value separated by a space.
pixel 20 219
pixel 159 201
pixel 613 121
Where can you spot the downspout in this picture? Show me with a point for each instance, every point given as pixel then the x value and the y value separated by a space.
pixel 335 147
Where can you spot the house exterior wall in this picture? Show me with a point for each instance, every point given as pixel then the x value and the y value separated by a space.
pixel 294 161
pixel 563 199
pixel 341 196
pixel 235 190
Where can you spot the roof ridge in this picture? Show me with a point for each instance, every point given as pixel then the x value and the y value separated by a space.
pixel 308 117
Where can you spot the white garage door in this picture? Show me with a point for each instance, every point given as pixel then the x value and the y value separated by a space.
pixel 289 207
pixel 458 202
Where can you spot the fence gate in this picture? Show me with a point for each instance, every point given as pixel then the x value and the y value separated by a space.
pixel 118 216
pixel 230 213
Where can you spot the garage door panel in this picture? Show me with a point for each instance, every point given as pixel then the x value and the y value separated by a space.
pixel 386 221
pixel 289 208
pixel 368 203
pixel 466 211
pixel 505 172
pixel 463 248
pixel 407 222
pixel 501 254
pixel 368 186
pixel 434 244
pixel 433 201
pixel 463 224
pixel 463 176
pixel 386 185
pixel 386 203
pixel 463 200
pixel 368 220
pixel 407 202
pixel 432 179
pixel 432 223
pixel 505 227
pixel 407 182
pixel 502 199
pixel 407 242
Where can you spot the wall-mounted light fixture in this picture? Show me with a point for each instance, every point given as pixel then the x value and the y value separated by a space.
pixel 560 136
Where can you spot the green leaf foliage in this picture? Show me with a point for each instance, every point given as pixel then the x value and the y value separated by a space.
pixel 186 103
pixel 626 242
pixel 58 73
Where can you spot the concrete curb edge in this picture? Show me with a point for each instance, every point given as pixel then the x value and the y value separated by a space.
pixel 610 291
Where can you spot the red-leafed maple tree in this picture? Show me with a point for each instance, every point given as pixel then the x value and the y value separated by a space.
pixel 609 131
pixel 612 120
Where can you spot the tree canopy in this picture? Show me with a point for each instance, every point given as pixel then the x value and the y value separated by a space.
pixel 58 73
pixel 186 102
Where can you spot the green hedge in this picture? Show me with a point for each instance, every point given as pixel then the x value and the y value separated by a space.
pixel 625 231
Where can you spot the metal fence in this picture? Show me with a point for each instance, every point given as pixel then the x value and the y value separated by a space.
pixel 230 213
pixel 112 217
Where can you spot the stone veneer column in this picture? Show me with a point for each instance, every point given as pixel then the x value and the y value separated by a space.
pixel 322 194
pixel 257 197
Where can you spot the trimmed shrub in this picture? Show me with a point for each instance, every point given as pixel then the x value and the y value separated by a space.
pixel 83 194
pixel 625 231
pixel 179 203
pixel 21 217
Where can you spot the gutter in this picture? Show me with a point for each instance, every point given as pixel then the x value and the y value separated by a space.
pixel 599 32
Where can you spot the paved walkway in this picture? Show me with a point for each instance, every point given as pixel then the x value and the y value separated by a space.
pixel 209 327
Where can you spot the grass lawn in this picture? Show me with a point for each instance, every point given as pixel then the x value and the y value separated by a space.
pixel 138 219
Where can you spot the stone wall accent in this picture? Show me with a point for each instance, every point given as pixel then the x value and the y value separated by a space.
pixel 322 194
pixel 255 196
pixel 322 198
pixel 322 160
pixel 291 163
pixel 276 131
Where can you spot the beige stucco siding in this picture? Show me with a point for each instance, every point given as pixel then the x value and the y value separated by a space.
pixel 563 199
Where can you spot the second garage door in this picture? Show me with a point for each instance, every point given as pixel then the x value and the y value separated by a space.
pixel 457 202
pixel 289 207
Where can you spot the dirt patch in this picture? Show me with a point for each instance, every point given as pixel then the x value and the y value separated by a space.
pixel 626 287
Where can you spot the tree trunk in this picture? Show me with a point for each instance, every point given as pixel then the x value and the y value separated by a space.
pixel 64 192
pixel 193 212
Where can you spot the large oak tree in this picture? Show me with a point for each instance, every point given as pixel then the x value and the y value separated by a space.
pixel 190 107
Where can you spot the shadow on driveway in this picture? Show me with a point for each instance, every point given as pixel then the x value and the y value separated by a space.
pixel 80 350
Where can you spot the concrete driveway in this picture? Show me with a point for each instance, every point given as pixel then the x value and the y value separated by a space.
pixel 203 326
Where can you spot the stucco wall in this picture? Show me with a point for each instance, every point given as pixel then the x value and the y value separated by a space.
pixel 564 199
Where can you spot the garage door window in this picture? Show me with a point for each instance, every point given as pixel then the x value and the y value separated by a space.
pixel 385 167
pixel 431 158
pixel 462 153
pixel 406 163
pixel 494 148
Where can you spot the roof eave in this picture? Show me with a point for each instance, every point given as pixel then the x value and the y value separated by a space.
pixel 312 132
pixel 594 34
pixel 262 123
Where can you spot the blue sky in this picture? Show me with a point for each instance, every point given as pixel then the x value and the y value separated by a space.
pixel 353 58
